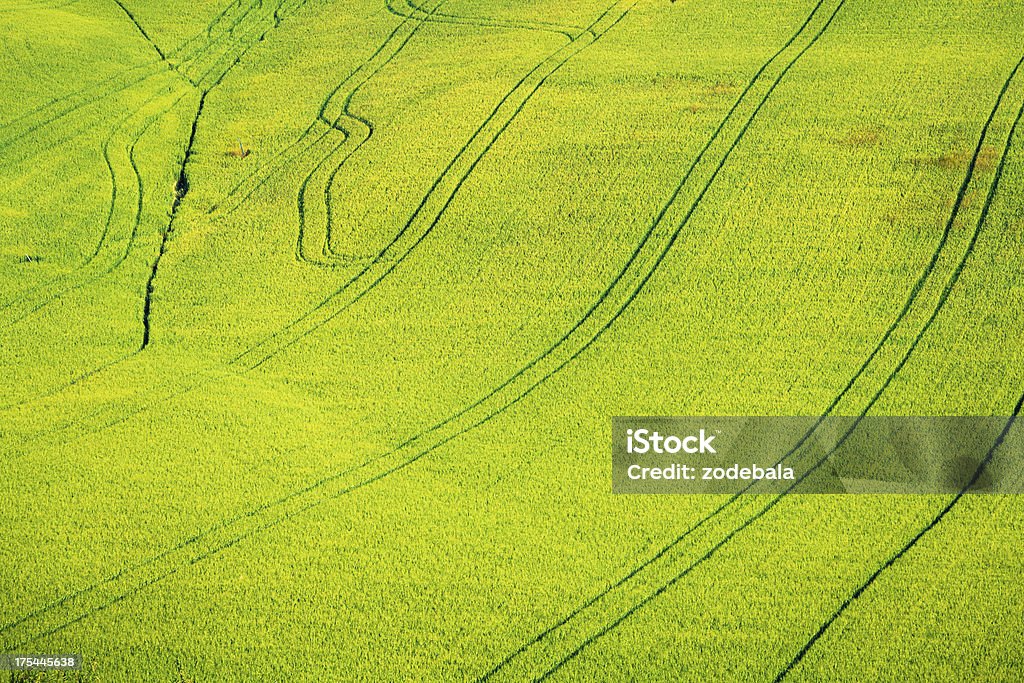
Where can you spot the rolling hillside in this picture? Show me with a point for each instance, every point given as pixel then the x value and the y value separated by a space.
pixel 314 316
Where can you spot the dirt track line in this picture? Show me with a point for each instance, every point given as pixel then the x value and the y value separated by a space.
pixel 208 542
pixel 266 172
pixel 141 30
pixel 182 184
pixel 827 624
pixel 74 382
pixel 23 126
pixel 934 522
pixel 744 524
pixel 236 47
pixel 259 176
pixel 322 116
pixel 105 151
pixel 364 130
pixel 180 190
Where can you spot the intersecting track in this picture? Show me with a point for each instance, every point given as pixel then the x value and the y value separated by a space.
pixel 425 217
pixel 322 177
pixel 79 605
pixel 390 49
pixel 203 62
pixel 601 25
pixel 182 60
pixel 600 316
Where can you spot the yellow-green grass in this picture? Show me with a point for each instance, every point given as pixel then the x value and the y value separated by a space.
pixel 411 481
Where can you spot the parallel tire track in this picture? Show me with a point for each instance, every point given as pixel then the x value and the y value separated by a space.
pixel 380 58
pixel 115 242
pixel 32 295
pixel 21 128
pixel 232 531
pixel 434 204
pixel 328 257
pixel 827 624
pixel 305 504
pixel 131 580
pixel 308 140
pixel 192 51
pixel 647 581
pixel 903 550
pixel 356 130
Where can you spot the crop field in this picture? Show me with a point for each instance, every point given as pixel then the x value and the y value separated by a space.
pixel 314 315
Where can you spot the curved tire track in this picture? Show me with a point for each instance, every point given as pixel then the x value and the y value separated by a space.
pixel 827 624
pixel 433 205
pixel 903 550
pixel 115 241
pixel 232 531
pixel 644 587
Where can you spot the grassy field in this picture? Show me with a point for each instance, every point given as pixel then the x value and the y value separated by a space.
pixel 314 316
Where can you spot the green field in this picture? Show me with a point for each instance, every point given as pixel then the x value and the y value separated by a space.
pixel 314 316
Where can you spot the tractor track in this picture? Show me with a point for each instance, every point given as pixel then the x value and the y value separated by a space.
pixel 329 257
pixel 365 130
pixel 904 549
pixel 364 126
pixel 664 554
pixel 827 624
pixel 514 23
pixel 154 270
pixel 333 485
pixel 24 125
pixel 183 182
pixel 93 94
pixel 260 176
pixel 141 30
pixel 191 51
pixel 253 516
pixel 305 505
pixel 418 12
pixel 216 547
pixel 407 240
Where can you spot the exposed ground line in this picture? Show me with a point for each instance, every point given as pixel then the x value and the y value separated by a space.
pixel 856 594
